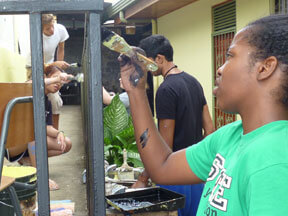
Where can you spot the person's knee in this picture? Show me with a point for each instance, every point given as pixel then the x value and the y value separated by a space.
pixel 18 149
pixel 68 145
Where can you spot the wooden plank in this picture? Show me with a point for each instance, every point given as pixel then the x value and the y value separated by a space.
pixel 21 123
pixel 139 7
pixel 24 6
pixel 6 182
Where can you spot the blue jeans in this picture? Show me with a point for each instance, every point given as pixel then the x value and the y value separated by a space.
pixel 192 195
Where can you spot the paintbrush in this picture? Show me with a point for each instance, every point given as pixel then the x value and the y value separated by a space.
pixel 75 65
pixel 79 77
pixel 125 171
pixel 116 43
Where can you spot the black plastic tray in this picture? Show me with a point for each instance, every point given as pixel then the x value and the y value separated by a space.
pixel 147 200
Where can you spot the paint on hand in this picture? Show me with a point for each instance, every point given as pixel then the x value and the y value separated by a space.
pixel 123 60
pixel 136 75
pixel 144 138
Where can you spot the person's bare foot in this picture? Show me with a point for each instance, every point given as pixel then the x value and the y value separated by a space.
pixel 53 185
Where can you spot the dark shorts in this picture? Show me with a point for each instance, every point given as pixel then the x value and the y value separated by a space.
pixel 17 157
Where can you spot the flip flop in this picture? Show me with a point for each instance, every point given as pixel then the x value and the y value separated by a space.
pixel 53 185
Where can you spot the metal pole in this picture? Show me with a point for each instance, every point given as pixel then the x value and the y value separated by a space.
pixel 39 114
pixel 95 121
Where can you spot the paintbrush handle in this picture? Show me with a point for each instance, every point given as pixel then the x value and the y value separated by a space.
pixel 149 64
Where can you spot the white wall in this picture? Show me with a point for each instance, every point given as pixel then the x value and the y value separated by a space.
pixel 7 32
pixel 189 30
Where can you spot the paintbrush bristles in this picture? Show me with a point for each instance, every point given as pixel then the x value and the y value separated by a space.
pixel 75 65
pixel 106 34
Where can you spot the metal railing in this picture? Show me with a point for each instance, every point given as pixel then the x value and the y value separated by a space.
pixel 281 6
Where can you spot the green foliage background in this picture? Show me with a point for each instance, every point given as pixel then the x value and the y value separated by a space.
pixel 119 134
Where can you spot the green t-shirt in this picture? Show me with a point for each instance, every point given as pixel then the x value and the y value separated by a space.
pixel 244 174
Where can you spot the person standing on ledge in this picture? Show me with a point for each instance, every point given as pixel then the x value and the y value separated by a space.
pixel 181 110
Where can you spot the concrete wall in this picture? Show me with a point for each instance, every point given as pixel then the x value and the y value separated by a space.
pixel 12 66
pixel 7 36
pixel 190 28
pixel 249 10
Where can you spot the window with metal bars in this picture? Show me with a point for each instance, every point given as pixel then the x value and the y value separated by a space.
pixel 224 16
pixel 224 27
pixel 281 6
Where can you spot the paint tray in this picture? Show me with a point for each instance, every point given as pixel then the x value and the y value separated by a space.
pixel 146 200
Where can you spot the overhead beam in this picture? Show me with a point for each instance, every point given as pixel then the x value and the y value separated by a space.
pixel 71 6
pixel 113 10
pixel 154 9
pixel 136 8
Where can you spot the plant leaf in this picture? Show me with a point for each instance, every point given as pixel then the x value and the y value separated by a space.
pixel 132 147
pixel 106 148
pixel 133 155
pixel 135 162
pixel 122 140
pixel 107 136
pixel 125 137
pixel 115 116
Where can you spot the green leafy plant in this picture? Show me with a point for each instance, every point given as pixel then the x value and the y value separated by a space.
pixel 119 135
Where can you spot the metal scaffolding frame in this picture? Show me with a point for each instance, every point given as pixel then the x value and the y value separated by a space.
pixel 94 127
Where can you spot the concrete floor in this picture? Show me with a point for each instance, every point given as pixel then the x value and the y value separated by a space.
pixel 67 169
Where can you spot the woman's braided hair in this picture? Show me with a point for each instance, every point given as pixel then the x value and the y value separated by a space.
pixel 269 37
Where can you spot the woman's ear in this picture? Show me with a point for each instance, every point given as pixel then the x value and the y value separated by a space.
pixel 267 68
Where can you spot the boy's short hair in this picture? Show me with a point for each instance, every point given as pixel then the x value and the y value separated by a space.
pixel 47 19
pixel 157 44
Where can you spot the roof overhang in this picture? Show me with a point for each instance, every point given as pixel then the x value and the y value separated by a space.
pixel 145 9
pixel 154 9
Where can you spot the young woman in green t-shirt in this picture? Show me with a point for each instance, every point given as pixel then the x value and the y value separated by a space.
pixel 244 164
